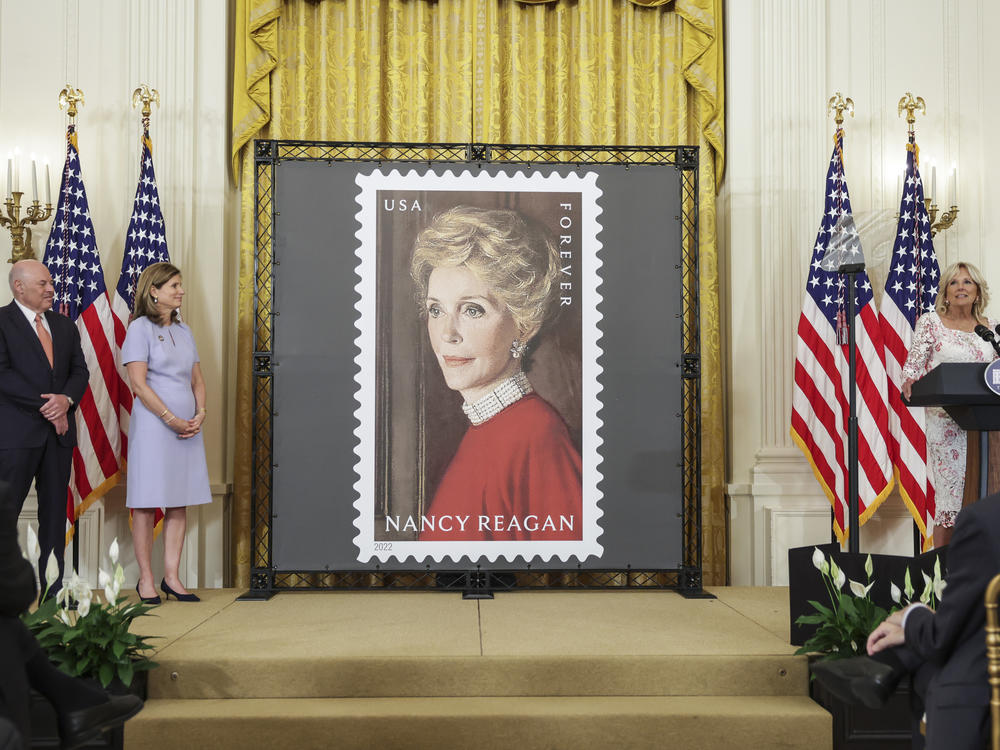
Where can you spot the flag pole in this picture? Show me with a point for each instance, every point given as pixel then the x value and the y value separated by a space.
pixel 851 270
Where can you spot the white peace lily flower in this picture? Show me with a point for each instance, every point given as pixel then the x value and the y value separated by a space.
pixel 908 586
pixel 111 592
pixel 818 559
pixel 939 586
pixel 895 593
pixel 64 616
pixel 858 590
pixel 83 607
pixel 107 583
pixel 113 551
pixel 76 585
pixel 119 576
pixel 939 582
pixel 925 595
pixel 839 578
pixel 51 570
pixel 32 544
pixel 869 567
pixel 77 588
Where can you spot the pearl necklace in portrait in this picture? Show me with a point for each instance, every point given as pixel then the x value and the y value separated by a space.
pixel 510 391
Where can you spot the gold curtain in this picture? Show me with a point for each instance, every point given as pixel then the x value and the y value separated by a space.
pixel 491 71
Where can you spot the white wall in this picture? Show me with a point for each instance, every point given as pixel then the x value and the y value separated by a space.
pixel 107 48
pixel 784 60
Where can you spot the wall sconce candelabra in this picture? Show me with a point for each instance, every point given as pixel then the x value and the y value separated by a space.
pixel 20 230
pixel 947 218
pixel 911 105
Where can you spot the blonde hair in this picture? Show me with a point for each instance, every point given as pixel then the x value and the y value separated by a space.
pixel 518 262
pixel 155 276
pixel 982 289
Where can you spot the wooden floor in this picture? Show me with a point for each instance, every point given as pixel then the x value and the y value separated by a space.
pixel 590 669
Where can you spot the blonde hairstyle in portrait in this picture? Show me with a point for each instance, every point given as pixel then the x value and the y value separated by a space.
pixel 518 262
pixel 982 289
pixel 155 276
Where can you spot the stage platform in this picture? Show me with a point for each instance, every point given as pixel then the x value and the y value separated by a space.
pixel 526 670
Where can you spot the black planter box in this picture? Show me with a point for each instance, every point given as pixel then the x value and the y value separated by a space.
pixel 861 728
pixel 805 582
pixel 45 732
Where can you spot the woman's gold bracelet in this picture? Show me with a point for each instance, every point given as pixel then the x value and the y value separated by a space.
pixel 168 421
pixel 163 412
pixel 203 410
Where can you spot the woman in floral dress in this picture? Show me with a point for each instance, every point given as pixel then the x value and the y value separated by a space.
pixel 947 334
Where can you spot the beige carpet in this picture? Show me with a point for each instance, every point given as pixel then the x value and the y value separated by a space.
pixel 589 669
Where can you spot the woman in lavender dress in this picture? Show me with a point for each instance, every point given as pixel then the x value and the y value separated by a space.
pixel 166 453
pixel 947 334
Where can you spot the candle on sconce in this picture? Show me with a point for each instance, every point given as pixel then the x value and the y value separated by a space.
pixel 10 169
pixel 48 185
pixel 954 185
pixel 17 170
pixel 899 187
pixel 34 180
pixel 933 183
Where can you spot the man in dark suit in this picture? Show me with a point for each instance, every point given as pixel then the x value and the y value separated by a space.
pixel 43 376
pixel 944 651
pixel 83 711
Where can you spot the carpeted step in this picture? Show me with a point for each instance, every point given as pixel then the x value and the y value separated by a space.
pixel 579 723
pixel 290 675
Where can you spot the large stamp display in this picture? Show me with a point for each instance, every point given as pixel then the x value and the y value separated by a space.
pixel 473 360
pixel 478 379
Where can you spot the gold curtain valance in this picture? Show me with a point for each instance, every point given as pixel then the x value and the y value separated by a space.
pixel 256 56
pixel 641 3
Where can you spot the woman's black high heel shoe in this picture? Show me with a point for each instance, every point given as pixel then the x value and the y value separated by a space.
pixel 169 592
pixel 147 599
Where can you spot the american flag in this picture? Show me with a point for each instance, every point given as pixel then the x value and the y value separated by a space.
pixel 72 258
pixel 145 244
pixel 820 399
pixel 910 291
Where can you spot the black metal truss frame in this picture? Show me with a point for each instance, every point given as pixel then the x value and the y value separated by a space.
pixel 265 579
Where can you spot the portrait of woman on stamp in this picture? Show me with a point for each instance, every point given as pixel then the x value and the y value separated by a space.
pixel 487 285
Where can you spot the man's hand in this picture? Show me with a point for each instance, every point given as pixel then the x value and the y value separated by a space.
pixel 890 633
pixel 896 618
pixel 56 406
pixel 886 635
pixel 61 424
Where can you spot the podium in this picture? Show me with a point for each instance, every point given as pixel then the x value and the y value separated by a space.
pixel 960 389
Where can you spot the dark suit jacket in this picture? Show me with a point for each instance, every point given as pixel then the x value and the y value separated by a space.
pixel 17 577
pixel 25 374
pixel 17 592
pixel 953 639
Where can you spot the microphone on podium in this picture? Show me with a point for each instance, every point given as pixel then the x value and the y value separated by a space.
pixel 987 335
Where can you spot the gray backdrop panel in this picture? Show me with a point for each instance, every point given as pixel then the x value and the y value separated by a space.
pixel 313 347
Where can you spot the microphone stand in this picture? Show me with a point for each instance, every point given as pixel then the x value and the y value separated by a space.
pixel 987 335
pixel 984 436
pixel 851 270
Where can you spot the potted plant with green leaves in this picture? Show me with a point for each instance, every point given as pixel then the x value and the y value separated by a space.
pixel 87 634
pixel 843 624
